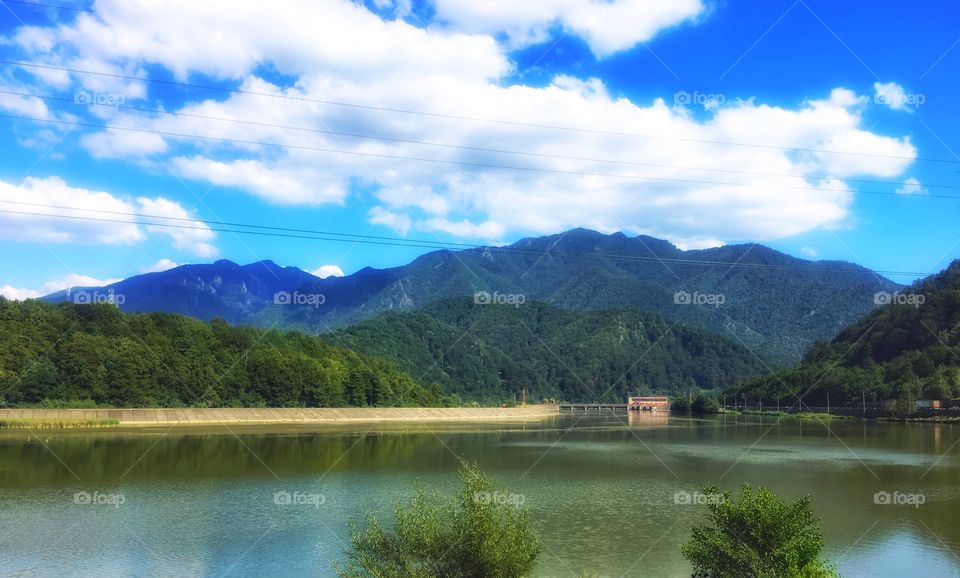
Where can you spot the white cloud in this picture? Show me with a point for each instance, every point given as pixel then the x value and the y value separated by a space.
pixel 190 236
pixel 911 186
pixel 71 280
pixel 286 184
pixel 18 294
pixel 697 242
pixel 161 265
pixel 682 186
pixel 24 106
pixel 34 210
pixel 895 96
pixel 75 280
pixel 809 252
pixel 37 226
pixel 325 271
pixel 397 221
pixel 119 143
pixel 607 27
pixel 464 228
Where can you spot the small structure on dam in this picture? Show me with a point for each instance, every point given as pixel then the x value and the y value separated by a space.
pixel 634 403
pixel 648 403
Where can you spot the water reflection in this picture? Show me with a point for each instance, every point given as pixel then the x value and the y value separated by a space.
pixel 598 486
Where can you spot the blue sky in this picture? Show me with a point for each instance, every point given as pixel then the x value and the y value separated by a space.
pixel 736 114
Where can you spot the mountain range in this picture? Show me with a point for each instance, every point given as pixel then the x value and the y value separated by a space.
pixel 770 302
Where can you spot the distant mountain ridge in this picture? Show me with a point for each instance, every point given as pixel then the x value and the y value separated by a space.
pixel 771 302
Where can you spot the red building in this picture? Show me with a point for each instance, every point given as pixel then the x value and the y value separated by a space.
pixel 648 403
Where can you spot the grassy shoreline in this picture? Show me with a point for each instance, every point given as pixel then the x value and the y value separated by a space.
pixel 797 415
pixel 46 423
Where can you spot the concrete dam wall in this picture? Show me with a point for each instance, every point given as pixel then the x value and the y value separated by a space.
pixel 199 416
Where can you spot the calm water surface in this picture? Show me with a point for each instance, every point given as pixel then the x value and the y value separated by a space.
pixel 603 491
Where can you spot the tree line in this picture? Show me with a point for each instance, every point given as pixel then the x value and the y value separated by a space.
pixel 84 355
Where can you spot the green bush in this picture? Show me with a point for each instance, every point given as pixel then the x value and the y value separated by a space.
pixel 477 533
pixel 680 405
pixel 757 534
pixel 704 404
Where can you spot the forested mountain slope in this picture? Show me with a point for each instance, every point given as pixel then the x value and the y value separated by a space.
pixel 492 351
pixel 776 304
pixel 907 349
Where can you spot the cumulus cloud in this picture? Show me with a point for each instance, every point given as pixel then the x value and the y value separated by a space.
pixel 24 105
pixel 35 211
pixel 911 186
pixel 32 223
pixel 651 168
pixel 286 183
pixel 895 97
pixel 191 236
pixel 66 282
pixel 399 222
pixel 325 271
pixel 607 27
pixel 161 265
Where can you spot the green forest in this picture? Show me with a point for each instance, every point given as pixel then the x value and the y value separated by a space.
pixel 490 353
pixel 80 355
pixel 455 351
pixel 906 350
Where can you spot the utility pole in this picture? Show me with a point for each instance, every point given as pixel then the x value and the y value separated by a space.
pixel 828 402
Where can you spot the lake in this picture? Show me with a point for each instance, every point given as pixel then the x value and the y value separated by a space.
pixel 610 494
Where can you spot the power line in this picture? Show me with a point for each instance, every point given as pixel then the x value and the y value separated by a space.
pixel 465 147
pixel 441 244
pixel 455 163
pixel 459 117
pixel 368 239
pixel 41 5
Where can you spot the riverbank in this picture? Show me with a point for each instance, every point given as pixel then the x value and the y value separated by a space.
pixel 798 415
pixel 929 419
pixel 90 418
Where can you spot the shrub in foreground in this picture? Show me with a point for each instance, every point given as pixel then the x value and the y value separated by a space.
pixel 471 534
pixel 757 534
